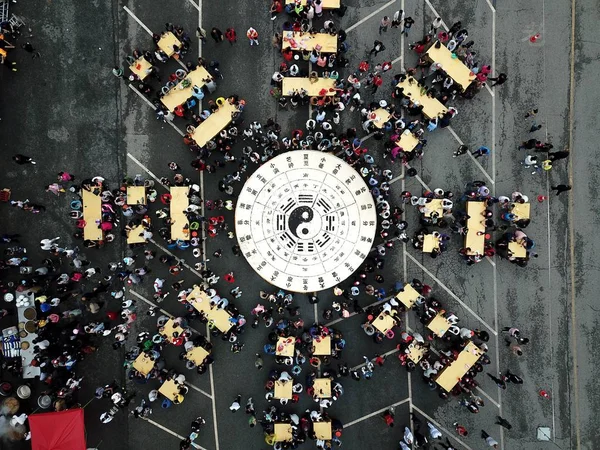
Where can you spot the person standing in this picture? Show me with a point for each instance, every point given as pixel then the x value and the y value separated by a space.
pixel 561 188
pixel 231 36
pixel 236 404
pixel 216 34
pixel 460 430
pixel 22 159
pixel 384 24
pixel 258 362
pixel 481 151
pixel 437 22
pixel 201 34
pixel 397 19
pixel 408 23
pixel 490 441
pixel 503 422
pixel 377 81
pixel 499 381
pixel 377 47
pixel 500 79
pixel 31 49
pixel 252 35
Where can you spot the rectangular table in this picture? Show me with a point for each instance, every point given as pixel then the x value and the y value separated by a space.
pixel 166 43
pixel 408 296
pixel 136 195
pixel 201 302
pixel 453 66
pixel 141 68
pixel 307 41
pixel 452 374
pixel 383 322
pixel 133 235
pixel 430 242
pixel 178 95
pixel 218 120
pixel 197 355
pixel 143 364
pixel 381 117
pixel 322 347
pixel 169 389
pixel 439 325
pixel 517 250
pixel 431 106
pixel 285 346
pixel 322 430
pixel 322 388
pixel 283 432
pixel 521 210
pixel 415 352
pixel 407 142
pixel 283 389
pixel 179 203
pixel 92 214
pixel 291 84
pixel 169 328
pixel 472 240
pixel 435 205
pixel 327 4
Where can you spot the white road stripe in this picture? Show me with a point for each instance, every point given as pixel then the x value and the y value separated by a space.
pixel 145 169
pixel 140 23
pixel 172 433
pixel 374 413
pixel 460 142
pixel 361 21
pixel 177 258
pixel 441 428
pixel 149 103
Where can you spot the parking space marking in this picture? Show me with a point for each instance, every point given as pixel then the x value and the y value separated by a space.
pixel 145 169
pixel 447 432
pixel 149 103
pixel 363 20
pixel 374 413
pixel 460 142
pixel 172 433
pixel 452 294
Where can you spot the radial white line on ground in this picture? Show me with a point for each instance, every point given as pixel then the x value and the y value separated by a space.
pixel 195 5
pixel 388 353
pixel 145 169
pixel 177 258
pixel 364 19
pixel 149 103
pixel 448 433
pixel 491 261
pixel 486 395
pixel 196 388
pixel 460 142
pixel 140 23
pixel 374 413
pixel 436 14
pixel 172 433
pixel 452 294
pixel 333 322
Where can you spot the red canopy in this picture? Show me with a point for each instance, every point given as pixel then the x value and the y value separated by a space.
pixel 62 430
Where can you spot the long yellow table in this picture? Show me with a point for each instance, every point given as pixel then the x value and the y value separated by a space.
pixel 439 325
pixel 291 84
pixel 201 302
pixel 408 296
pixel 283 389
pixel 197 355
pixel 133 235
pixel 143 364
pixel 214 124
pixel 407 141
pixel 430 243
pixel 452 374
pixel 327 4
pixel 166 43
pixel 179 203
pixel 435 205
pixel 322 387
pixel 92 214
pixel 472 240
pixel 431 106
pixel 141 68
pixel 381 117
pixel 517 250
pixel 521 210
pixel 179 95
pixel 136 195
pixel 307 41
pixel 322 430
pixel 454 67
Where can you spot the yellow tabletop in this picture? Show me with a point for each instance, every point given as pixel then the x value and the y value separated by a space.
pixel 435 205
pixel 143 364
pixel 408 296
pixel 431 106
pixel 327 4
pixel 322 430
pixel 133 235
pixel 141 68
pixel 169 328
pixel 322 346
pixel 322 388
pixel 455 371
pixel 92 214
pixel 381 117
pixel 166 43
pixel 136 195
pixel 472 240
pixel 383 322
pixel 407 141
pixel 283 389
pixel 439 325
pixel 218 120
pixel 517 250
pixel 178 95
pixel 283 432
pixel 307 41
pixel 170 389
pixel 179 203
pixel 521 210
pixel 220 318
pixel 415 352
pixel 285 346
pixel 197 355
pixel 291 84
pixel 201 302
pixel 430 242
pixel 454 67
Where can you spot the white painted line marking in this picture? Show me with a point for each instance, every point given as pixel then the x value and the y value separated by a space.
pixel 460 142
pixel 418 178
pixel 333 322
pixel 491 6
pixel 361 21
pixel 491 261
pixel 195 5
pixel 448 433
pixel 374 413
pixel 452 294
pixel 196 388
pixel 486 395
pixel 145 169
pixel 436 14
pixel 149 103
pixel 140 23
pixel 172 433
pixel 177 258
pixel 386 354
pixel 393 180
pixel 489 89
pixel 214 404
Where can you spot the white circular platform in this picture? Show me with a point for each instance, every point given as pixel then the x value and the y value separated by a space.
pixel 305 221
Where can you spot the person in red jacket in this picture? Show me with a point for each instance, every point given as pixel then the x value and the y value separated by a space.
pixel 231 36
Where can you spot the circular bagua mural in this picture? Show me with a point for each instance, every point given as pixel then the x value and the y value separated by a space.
pixel 305 221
